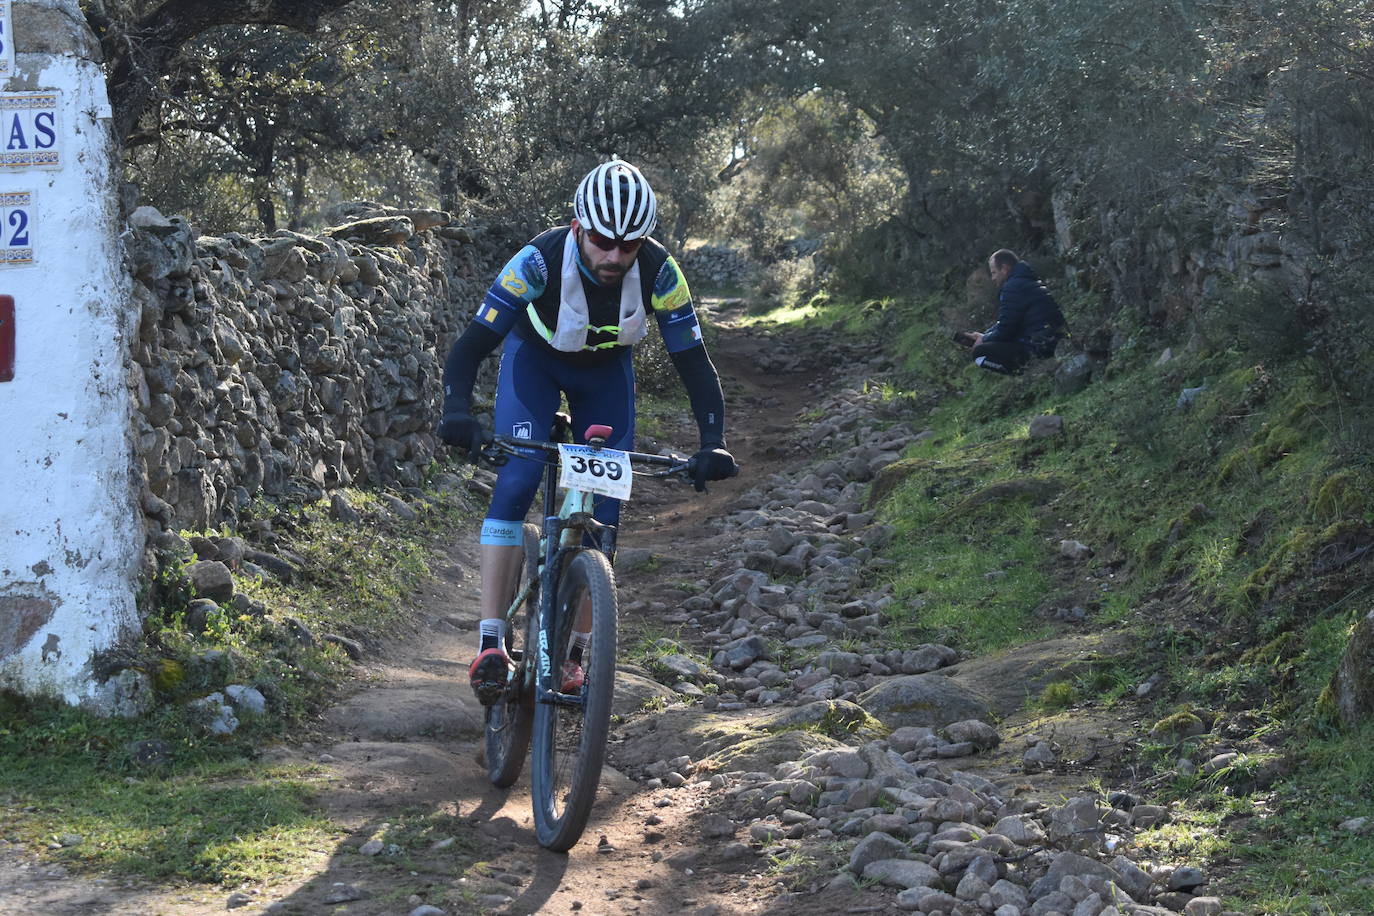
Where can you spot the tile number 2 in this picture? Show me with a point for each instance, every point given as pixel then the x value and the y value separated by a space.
pixel 18 223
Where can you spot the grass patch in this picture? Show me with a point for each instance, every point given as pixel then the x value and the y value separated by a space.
pixel 158 797
pixel 1058 695
pixel 206 814
pixel 651 643
pixel 1331 782
pixel 1232 532
pixel 800 866
pixel 967 578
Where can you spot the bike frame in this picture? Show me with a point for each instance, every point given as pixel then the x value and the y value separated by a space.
pixel 568 528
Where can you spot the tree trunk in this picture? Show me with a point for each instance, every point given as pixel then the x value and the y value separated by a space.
pixel 266 207
pixel 296 202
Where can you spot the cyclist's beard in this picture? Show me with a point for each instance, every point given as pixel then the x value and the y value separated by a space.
pixel 610 276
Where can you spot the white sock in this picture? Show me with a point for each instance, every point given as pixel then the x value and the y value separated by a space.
pixel 492 634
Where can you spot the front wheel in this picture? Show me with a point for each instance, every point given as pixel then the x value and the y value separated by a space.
pixel 570 736
pixel 511 719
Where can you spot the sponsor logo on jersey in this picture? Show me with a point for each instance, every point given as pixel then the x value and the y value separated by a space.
pixel 679 296
pixel 522 430
pixel 496 531
pixel 514 284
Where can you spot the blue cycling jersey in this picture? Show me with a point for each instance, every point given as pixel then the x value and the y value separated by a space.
pixel 526 297
pixel 526 306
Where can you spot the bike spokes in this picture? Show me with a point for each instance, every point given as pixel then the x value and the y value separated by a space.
pixel 572 729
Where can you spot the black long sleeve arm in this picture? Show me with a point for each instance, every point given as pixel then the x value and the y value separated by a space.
pixel 703 391
pixel 460 369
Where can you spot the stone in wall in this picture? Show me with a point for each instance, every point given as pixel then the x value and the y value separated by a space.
pixel 293 364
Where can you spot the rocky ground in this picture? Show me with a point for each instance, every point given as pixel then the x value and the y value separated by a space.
pixel 773 755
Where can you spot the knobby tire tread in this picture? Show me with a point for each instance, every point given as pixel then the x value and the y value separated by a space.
pixel 557 829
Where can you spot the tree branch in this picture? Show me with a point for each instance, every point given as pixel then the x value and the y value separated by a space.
pixel 140 53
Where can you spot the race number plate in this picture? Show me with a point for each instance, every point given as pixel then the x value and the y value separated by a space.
pixel 604 471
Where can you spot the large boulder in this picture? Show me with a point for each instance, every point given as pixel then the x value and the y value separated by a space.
pixel 765 752
pixel 378 230
pixel 923 699
pixel 636 693
pixel 735 736
pixel 891 477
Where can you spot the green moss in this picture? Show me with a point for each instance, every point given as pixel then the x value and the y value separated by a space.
pixel 1344 494
pixel 1300 408
pixel 1182 724
pixel 167 675
pixel 894 475
pixel 1058 695
pixel 1280 648
pixel 1279 441
pixel 1287 559
pixel 1237 464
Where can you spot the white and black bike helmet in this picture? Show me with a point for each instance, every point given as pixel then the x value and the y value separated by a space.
pixel 615 200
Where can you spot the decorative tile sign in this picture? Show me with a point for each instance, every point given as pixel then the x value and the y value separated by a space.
pixel 6 39
pixel 28 130
pixel 17 228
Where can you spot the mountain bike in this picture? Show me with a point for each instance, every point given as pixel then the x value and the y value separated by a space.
pixel 567 577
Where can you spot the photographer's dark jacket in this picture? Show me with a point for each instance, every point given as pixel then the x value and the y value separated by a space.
pixel 1027 314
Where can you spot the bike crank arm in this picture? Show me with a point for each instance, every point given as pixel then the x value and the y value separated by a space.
pixel 560 699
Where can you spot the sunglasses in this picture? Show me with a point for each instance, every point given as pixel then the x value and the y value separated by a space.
pixel 609 244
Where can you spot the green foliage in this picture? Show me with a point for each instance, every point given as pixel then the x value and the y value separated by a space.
pixel 1231 535
pixel 147 812
pixel 1058 695
pixel 1330 780
pixel 69 774
pixel 1108 680
pixel 654 373
pixel 486 110
pixel 1346 494
pixel 807 166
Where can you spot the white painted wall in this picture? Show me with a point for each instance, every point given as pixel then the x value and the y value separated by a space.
pixel 69 532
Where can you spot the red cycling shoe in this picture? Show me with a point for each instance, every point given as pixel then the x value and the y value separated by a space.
pixel 573 677
pixel 489 674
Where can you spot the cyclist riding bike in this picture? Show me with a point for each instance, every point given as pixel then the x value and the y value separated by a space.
pixel 570 306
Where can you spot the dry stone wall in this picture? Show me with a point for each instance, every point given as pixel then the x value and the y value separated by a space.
pixel 293 364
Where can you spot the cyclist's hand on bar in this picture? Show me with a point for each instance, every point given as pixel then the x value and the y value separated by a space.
pixel 463 431
pixel 711 463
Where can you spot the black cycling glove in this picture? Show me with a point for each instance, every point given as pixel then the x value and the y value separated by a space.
pixel 462 430
pixel 712 463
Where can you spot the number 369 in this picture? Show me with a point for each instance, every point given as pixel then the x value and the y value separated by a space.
pixel 611 470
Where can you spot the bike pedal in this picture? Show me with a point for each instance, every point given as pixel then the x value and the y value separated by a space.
pixel 489 692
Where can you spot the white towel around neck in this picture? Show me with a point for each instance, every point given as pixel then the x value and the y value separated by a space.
pixel 573 319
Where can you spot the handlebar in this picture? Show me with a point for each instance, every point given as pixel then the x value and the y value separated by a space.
pixel 500 449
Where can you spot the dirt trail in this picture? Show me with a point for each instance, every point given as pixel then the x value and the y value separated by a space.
pixel 404 749
pixel 387 760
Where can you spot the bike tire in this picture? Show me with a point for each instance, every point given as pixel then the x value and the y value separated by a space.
pixel 510 721
pixel 570 741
